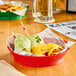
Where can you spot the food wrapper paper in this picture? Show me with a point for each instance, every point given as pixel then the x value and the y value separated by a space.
pixel 47 33
pixel 19 3
pixel 8 70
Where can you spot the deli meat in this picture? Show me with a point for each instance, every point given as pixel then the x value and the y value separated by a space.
pixel 52 40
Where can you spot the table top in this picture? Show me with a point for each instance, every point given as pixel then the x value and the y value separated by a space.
pixel 66 68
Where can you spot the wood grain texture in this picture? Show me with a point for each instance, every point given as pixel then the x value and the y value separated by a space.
pixel 66 68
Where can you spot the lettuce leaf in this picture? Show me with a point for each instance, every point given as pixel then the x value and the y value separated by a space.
pixel 22 42
pixel 35 39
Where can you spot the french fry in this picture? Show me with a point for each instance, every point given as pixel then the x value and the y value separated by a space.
pixel 9 7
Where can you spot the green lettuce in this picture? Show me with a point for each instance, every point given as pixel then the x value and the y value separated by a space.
pixel 35 39
pixel 22 42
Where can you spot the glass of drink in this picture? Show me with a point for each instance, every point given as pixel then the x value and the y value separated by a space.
pixel 42 11
pixel 55 9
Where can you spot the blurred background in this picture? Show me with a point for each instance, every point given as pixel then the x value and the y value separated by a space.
pixel 60 3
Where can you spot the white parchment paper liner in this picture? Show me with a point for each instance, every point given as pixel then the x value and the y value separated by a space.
pixel 42 34
pixel 49 34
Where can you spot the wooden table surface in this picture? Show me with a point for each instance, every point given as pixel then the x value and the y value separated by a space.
pixel 66 68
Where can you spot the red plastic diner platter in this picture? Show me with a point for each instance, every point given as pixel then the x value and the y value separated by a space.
pixel 38 61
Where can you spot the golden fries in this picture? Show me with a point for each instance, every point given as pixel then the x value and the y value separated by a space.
pixel 9 7
pixel 51 48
